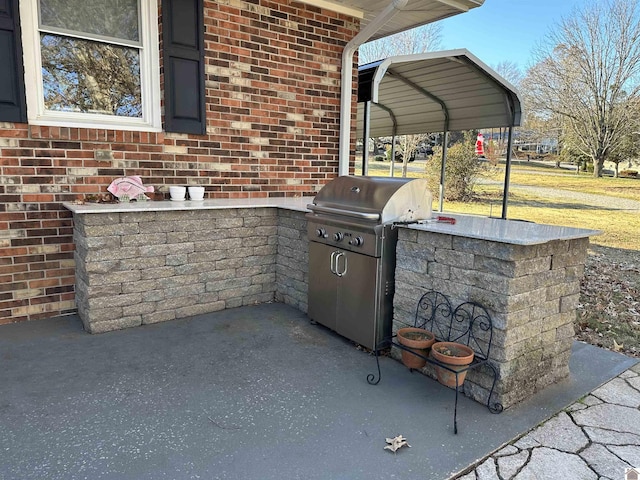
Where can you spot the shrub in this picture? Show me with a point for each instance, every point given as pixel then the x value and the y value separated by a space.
pixel 461 171
pixel 628 174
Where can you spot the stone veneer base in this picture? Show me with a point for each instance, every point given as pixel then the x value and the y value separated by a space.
pixel 135 268
pixel 531 292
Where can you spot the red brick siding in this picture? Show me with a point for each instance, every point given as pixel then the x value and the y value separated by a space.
pixel 273 105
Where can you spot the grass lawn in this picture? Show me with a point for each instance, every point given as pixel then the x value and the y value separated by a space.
pixel 548 176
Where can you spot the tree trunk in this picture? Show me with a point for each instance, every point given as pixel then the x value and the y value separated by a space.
pixel 598 164
pixel 405 158
pixel 376 150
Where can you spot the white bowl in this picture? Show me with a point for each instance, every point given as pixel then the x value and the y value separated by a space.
pixel 196 193
pixel 177 193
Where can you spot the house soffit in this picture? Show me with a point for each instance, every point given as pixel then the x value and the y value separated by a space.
pixel 416 12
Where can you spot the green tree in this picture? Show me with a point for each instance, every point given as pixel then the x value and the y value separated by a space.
pixel 462 170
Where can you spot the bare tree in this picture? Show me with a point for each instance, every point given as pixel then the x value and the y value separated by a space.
pixel 416 40
pixel 587 71
pixel 510 71
pixel 85 76
pixel 497 145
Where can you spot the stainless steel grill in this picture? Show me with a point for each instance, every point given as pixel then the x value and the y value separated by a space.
pixel 352 251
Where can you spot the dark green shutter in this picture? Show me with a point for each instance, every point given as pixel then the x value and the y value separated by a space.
pixel 183 60
pixel 12 100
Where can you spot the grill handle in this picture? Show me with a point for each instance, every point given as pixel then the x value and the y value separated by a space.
pixel 347 213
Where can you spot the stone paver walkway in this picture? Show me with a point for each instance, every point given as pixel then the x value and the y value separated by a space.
pixel 597 437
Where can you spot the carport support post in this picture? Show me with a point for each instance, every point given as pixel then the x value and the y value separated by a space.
pixel 507 174
pixel 445 142
pixel 393 154
pixel 365 141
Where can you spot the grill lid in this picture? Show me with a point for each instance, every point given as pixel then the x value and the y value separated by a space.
pixel 375 199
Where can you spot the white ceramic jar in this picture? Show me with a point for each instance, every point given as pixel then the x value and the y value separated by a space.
pixel 196 193
pixel 177 193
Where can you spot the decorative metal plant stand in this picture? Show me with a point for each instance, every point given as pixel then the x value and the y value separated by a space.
pixel 469 324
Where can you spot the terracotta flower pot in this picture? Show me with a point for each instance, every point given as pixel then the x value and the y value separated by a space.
pixel 454 355
pixel 418 340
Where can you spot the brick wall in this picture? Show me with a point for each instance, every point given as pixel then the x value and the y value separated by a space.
pixel 273 97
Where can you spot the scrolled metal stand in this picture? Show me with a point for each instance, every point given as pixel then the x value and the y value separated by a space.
pixel 469 323
pixel 371 378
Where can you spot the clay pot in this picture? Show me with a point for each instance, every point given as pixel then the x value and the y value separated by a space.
pixel 454 355
pixel 418 340
pixel 157 196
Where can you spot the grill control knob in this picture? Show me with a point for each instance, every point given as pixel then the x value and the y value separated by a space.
pixel 356 241
pixel 321 232
pixel 338 236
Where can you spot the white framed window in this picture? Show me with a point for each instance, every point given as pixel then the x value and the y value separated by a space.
pixel 92 63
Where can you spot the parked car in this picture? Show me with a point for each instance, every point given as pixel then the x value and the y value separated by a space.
pixel 399 157
pixel 427 150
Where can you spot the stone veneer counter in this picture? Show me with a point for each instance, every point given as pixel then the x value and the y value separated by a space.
pixel 515 232
pixel 527 275
pixel 289 203
pixel 145 262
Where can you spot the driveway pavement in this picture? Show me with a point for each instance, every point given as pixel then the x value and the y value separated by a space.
pixel 251 393
pixel 590 200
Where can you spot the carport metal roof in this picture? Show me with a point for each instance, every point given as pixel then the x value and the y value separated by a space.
pixel 434 92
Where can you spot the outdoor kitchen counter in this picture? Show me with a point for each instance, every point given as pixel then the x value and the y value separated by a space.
pixel 526 275
pixel 145 262
pixel 504 231
pixel 298 204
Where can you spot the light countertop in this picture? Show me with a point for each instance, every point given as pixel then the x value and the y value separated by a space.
pixel 470 226
pixel 298 204
pixel 515 232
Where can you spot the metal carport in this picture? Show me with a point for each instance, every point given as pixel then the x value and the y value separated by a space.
pixel 435 92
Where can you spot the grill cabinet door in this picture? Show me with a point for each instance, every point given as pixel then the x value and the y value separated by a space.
pixel 322 285
pixel 347 303
pixel 357 303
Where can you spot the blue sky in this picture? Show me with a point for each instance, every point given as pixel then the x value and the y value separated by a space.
pixel 505 30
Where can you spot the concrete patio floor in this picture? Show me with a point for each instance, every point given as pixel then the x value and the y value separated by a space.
pixel 251 393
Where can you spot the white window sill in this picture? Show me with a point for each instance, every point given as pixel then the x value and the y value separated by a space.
pixel 122 125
